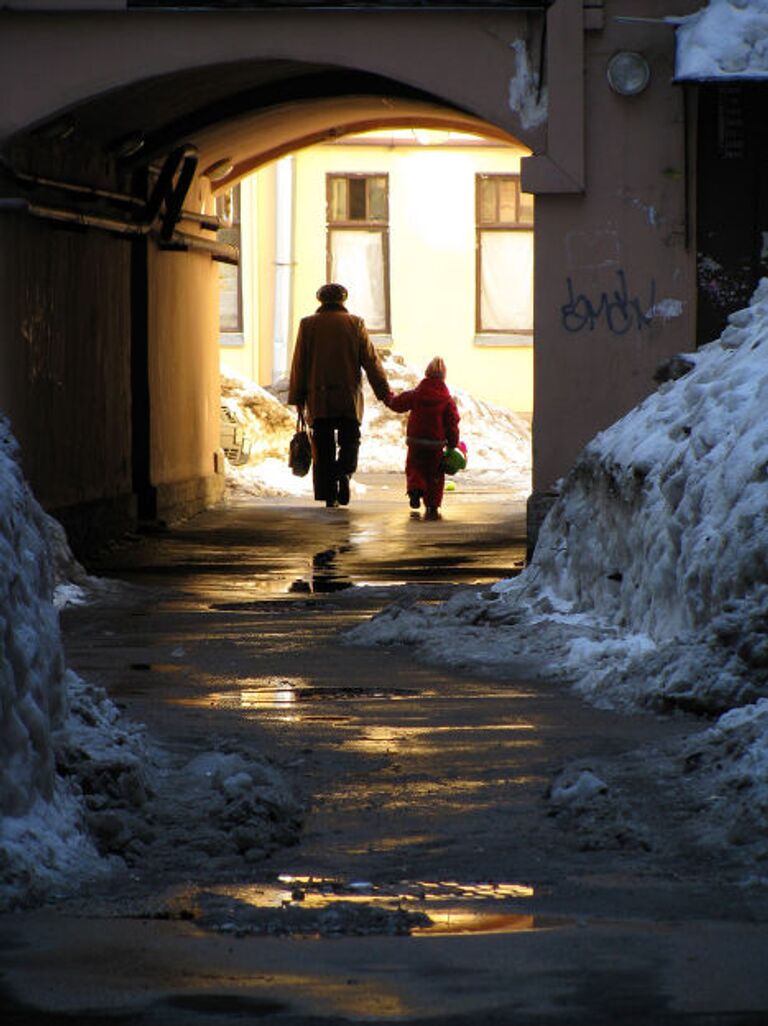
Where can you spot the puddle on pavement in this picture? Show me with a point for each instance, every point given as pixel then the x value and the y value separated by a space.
pixel 260 605
pixel 282 692
pixel 324 576
pixel 156 667
pixel 324 584
pixel 412 740
pixel 304 906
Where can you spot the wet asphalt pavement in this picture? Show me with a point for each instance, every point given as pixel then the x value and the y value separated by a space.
pixel 423 795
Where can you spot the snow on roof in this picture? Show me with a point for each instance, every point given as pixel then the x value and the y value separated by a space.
pixel 727 39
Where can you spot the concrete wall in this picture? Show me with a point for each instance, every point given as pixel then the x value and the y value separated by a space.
pixel 183 380
pixel 615 288
pixel 65 361
pixel 66 326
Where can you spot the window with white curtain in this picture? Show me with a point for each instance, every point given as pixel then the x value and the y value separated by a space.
pixel 358 244
pixel 504 256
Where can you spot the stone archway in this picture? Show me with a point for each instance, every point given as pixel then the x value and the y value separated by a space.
pixel 124 371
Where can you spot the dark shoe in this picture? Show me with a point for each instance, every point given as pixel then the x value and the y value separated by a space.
pixel 414 498
pixel 432 513
pixel 344 490
pixel 331 504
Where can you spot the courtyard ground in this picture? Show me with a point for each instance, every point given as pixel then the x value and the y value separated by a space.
pixel 416 868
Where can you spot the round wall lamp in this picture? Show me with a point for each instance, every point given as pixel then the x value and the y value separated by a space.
pixel 628 73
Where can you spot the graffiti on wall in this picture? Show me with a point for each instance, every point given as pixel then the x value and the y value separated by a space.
pixel 619 310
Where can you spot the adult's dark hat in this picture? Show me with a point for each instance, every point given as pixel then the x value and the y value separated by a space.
pixel 332 293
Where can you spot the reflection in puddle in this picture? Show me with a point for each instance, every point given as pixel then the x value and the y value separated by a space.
pixel 265 693
pixel 413 739
pixel 278 697
pixel 325 576
pixel 320 583
pixel 455 921
pixel 156 667
pixel 305 905
pixel 280 692
pixel 416 891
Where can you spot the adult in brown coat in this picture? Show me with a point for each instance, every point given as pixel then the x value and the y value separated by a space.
pixel 332 348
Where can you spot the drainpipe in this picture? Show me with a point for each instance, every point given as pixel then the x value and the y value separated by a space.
pixel 283 295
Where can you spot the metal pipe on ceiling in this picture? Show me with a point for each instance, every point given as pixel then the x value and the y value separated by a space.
pixel 208 222
pixel 179 241
pixel 84 190
pixel 75 217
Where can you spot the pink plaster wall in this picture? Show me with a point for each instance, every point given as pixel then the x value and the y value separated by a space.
pixel 183 365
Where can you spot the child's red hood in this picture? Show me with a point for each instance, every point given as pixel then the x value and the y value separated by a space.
pixel 432 390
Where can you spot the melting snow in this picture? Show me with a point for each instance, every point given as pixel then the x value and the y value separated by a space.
pixel 83 792
pixel 524 95
pixel 726 39
pixel 649 584
pixel 498 440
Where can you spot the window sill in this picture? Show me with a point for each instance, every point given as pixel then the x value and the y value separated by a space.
pixel 232 339
pixel 509 339
pixel 381 341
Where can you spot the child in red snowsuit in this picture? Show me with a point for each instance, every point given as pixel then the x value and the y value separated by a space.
pixel 432 425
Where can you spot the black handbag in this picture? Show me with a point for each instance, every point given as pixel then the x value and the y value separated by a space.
pixel 300 450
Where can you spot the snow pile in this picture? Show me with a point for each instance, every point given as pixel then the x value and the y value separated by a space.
pixel 595 814
pixel 731 761
pixel 222 807
pixel 44 708
pixel 726 39
pixel 661 531
pixel 498 440
pixel 658 544
pixel 649 584
pixel 268 425
pixel 32 668
pixel 268 422
pixel 73 585
pixel 271 478
pixel 80 785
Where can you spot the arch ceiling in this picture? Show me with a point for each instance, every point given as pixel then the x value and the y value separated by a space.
pixel 252 112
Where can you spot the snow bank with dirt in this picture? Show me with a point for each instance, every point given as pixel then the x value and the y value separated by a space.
pixel 83 791
pixel 649 584
pixel 41 830
pixel 499 441
pixel 726 39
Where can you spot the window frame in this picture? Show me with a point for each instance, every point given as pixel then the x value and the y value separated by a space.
pixel 376 226
pixel 232 233
pixel 481 226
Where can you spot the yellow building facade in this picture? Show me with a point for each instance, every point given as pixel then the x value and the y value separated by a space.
pixel 428 230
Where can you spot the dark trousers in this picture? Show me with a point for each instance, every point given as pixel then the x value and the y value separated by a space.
pixel 335 444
